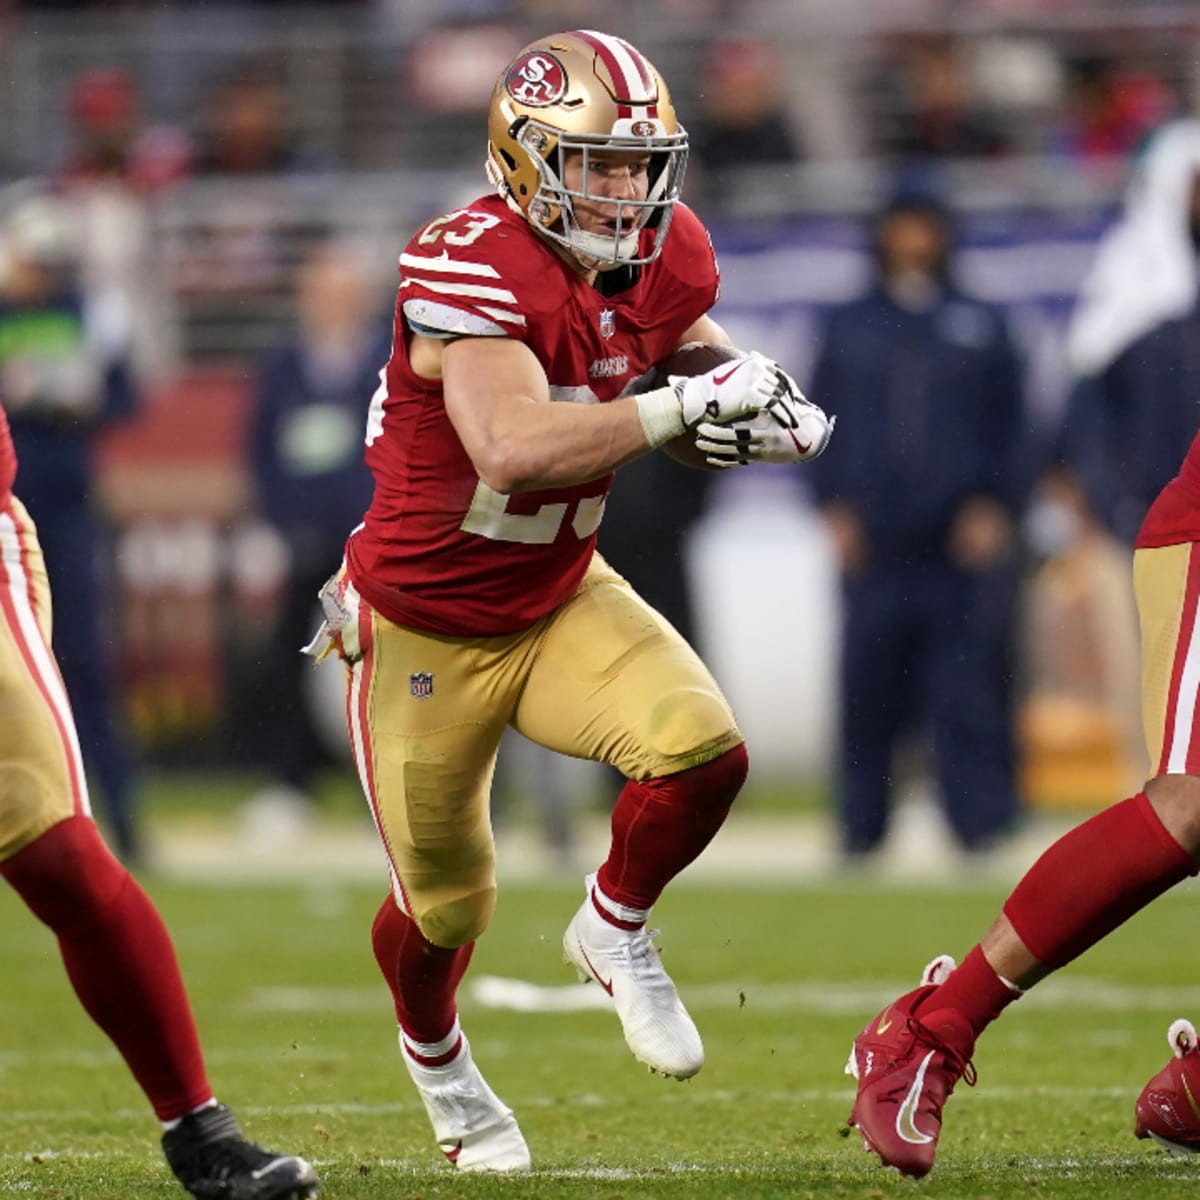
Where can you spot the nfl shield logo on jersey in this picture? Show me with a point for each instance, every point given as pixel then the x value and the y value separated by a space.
pixel 420 684
pixel 608 322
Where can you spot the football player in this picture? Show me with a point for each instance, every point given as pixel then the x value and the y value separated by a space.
pixel 472 597
pixel 116 949
pixel 908 1060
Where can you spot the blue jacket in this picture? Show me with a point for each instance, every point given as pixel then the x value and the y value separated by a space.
pixel 930 412
pixel 306 445
pixel 1127 429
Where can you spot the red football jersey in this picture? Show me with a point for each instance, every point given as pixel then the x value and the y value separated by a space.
pixel 439 550
pixel 1175 516
pixel 8 459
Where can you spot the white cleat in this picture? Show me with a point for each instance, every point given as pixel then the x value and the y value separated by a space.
pixel 627 966
pixel 474 1128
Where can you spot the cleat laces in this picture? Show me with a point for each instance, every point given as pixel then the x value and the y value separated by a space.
pixel 921 1035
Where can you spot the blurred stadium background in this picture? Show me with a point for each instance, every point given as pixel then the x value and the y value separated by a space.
pixel 364 118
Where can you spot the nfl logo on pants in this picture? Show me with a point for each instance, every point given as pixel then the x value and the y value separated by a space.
pixel 420 684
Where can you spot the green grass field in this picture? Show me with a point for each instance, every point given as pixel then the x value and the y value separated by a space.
pixel 300 1040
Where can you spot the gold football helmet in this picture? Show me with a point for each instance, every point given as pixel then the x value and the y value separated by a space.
pixel 585 92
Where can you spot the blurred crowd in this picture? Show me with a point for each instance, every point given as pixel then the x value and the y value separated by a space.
pixel 146 192
pixel 365 115
pixel 377 84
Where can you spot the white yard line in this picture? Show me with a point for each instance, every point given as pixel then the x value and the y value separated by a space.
pixel 812 997
pixel 669 1096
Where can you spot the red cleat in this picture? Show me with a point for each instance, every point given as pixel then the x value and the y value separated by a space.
pixel 1168 1109
pixel 906 1072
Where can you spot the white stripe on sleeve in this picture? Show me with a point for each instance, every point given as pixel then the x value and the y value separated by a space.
pixel 445 265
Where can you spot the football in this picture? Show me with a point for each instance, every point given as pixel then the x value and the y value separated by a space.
pixel 692 358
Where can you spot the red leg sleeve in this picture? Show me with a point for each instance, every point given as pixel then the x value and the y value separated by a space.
pixel 1095 878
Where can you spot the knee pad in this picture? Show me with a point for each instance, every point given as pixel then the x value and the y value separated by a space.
pixel 32 802
pixel 452 920
pixel 685 720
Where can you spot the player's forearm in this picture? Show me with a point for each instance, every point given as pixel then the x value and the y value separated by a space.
pixel 559 445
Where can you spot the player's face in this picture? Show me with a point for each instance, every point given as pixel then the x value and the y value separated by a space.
pixel 610 176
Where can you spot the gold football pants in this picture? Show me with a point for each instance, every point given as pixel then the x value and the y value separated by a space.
pixel 604 677
pixel 41 772
pixel 1166 583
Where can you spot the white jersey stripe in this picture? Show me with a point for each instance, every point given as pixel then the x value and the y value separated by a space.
pixel 29 634
pixel 476 290
pixel 502 314
pixel 637 90
pixel 1185 702
pixel 447 266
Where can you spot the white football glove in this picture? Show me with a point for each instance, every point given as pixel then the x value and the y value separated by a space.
pixel 789 428
pixel 737 388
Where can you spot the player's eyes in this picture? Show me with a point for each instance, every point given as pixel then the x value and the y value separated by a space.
pixel 637 169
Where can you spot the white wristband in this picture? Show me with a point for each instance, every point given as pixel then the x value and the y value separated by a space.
pixel 661 415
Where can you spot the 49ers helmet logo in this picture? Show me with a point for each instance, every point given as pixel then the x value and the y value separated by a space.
pixel 536 79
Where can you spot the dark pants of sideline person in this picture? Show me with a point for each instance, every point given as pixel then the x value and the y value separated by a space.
pixel 933 645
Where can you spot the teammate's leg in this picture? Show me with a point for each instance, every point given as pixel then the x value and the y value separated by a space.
pixel 1083 887
pixel 1102 872
pixel 119 959
pixel 116 950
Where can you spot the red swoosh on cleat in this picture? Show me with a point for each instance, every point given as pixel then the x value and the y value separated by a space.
pixel 730 373
pixel 453 1153
pixel 605 984
pixel 803 449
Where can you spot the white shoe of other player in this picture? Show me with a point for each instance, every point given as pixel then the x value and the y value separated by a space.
pixel 474 1128
pixel 627 966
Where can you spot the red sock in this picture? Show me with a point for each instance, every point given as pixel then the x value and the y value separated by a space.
pixel 1093 879
pixel 423 977
pixel 975 993
pixel 119 958
pixel 661 825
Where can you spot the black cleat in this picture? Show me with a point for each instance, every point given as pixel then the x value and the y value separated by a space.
pixel 213 1161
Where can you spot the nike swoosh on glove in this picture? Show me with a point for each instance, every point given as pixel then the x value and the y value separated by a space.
pixel 737 388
